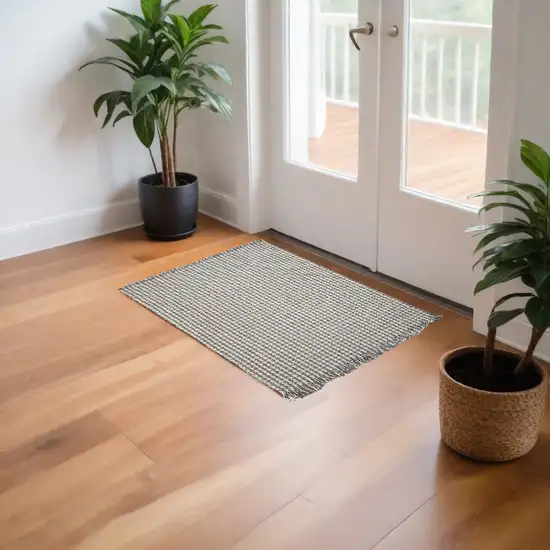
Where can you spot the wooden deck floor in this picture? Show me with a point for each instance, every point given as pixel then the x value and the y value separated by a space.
pixel 119 432
pixel 442 161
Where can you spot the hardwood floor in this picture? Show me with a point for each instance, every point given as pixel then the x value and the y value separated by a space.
pixel 117 431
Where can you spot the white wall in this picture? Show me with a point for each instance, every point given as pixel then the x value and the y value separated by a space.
pixel 233 164
pixel 223 146
pixel 62 178
pixel 532 115
pixel 523 93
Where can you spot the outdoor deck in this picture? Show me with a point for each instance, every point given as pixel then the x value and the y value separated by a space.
pixel 442 161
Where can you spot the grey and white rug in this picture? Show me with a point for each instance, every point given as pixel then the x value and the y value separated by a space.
pixel 288 322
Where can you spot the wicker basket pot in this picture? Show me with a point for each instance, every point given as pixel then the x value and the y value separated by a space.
pixel 489 426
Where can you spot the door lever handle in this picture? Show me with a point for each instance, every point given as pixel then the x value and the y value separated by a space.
pixel 367 28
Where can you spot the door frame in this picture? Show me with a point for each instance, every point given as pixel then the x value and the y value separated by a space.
pixel 502 142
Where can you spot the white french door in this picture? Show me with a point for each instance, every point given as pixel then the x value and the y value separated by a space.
pixel 432 142
pixel 318 196
pixel 377 151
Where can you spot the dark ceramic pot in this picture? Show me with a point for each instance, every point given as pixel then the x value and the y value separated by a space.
pixel 169 213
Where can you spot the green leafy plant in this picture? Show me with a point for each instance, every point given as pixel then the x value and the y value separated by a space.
pixel 518 249
pixel 167 78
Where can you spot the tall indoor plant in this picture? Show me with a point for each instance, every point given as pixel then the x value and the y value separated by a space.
pixel 492 401
pixel 167 79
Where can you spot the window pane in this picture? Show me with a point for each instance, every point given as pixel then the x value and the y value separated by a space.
pixel 448 102
pixel 324 85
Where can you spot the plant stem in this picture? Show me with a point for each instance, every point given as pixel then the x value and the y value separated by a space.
pixel 167 162
pixel 175 137
pixel 488 363
pixel 153 160
pixel 164 148
pixel 526 360
pixel 170 161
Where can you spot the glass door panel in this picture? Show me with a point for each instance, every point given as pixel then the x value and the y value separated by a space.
pixel 323 85
pixel 449 58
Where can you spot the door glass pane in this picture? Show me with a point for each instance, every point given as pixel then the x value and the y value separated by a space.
pixel 448 97
pixel 323 85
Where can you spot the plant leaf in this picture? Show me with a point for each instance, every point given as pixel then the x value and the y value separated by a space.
pixel 512 193
pixel 147 84
pixel 151 10
pixel 127 48
pixel 498 276
pixel 121 64
pixel 538 313
pixel 513 229
pixel 183 27
pixel 216 71
pixel 510 251
pixel 530 214
pixel 167 6
pixel 504 299
pixel 137 22
pixel 200 14
pixel 217 102
pixel 122 115
pixel 530 188
pixel 112 99
pixel 520 249
pixel 501 263
pixel 540 272
pixel 206 42
pixel 521 226
pixel 99 103
pixel 536 159
pixel 536 193
pixel 499 318
pixel 144 125
pixel 167 32
pixel 528 280
pixel 486 254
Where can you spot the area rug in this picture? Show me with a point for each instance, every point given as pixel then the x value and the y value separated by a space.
pixel 288 322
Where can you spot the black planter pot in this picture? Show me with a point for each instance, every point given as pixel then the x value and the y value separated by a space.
pixel 169 213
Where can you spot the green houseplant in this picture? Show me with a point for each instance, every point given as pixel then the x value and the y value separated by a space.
pixel 166 79
pixel 492 401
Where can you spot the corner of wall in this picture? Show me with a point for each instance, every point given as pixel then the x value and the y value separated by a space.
pixel 256 197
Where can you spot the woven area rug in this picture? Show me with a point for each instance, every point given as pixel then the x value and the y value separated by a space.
pixel 289 323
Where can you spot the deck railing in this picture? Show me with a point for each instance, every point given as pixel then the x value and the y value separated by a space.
pixel 448 69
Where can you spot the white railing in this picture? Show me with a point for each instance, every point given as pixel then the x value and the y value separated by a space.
pixel 448 69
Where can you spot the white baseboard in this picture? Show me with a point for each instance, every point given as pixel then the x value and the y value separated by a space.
pixel 86 224
pixel 219 206
pixel 77 226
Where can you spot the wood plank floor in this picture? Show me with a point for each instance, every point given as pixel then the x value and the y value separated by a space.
pixel 441 161
pixel 117 431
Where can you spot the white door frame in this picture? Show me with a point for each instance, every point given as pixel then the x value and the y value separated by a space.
pixel 503 148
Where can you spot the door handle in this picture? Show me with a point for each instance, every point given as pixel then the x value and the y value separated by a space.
pixel 367 28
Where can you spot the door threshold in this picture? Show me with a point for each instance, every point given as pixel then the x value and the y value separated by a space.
pixel 410 289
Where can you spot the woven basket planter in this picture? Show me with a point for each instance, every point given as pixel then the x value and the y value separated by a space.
pixel 489 426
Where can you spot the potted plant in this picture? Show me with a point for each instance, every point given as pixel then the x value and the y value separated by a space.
pixel 167 80
pixel 491 400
